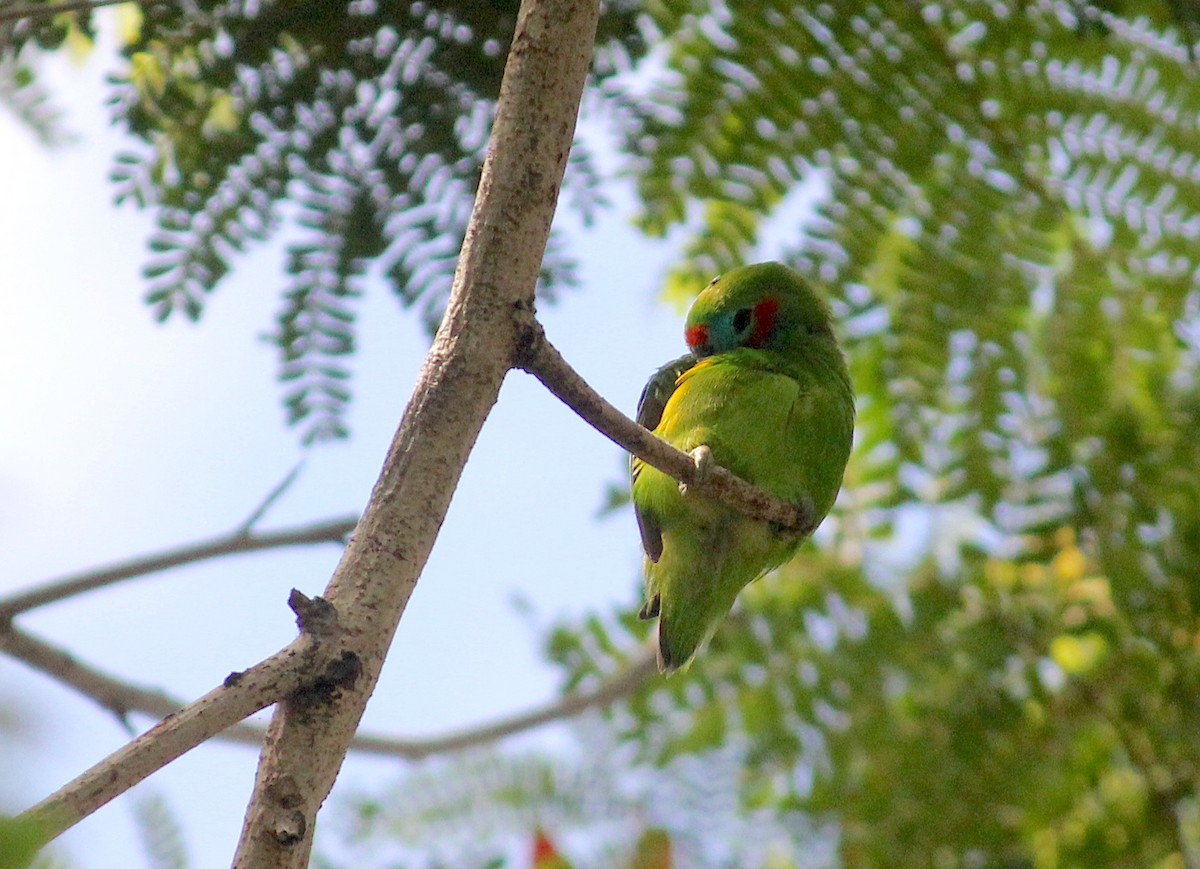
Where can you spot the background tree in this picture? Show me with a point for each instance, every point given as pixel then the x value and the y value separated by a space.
pixel 991 659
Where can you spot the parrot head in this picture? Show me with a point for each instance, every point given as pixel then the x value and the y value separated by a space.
pixel 763 307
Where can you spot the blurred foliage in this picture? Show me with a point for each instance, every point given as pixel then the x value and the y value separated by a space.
pixel 21 844
pixel 1000 713
pixel 21 92
pixel 1008 229
pixel 355 130
pixel 992 656
pixel 160 831
pixel 594 808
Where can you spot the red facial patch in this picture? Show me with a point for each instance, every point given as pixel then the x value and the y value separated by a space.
pixel 696 336
pixel 764 322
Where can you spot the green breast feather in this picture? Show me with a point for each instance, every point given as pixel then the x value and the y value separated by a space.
pixel 766 390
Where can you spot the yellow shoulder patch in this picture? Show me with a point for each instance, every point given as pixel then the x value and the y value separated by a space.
pixel 670 416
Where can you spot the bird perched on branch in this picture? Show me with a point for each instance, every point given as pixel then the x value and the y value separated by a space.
pixel 764 393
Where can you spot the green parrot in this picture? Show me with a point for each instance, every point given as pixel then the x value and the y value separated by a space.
pixel 766 391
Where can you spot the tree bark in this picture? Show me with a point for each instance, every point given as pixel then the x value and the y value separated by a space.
pixel 489 314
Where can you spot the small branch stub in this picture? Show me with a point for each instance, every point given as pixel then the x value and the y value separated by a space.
pixel 315 616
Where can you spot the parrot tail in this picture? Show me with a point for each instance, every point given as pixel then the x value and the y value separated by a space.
pixel 681 632
pixel 670 656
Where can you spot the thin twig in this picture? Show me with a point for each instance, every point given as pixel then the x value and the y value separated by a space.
pixel 113 694
pixel 272 496
pixel 238 541
pixel 540 358
pixel 122 699
pixel 625 682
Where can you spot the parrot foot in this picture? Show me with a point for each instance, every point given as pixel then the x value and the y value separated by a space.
pixel 702 458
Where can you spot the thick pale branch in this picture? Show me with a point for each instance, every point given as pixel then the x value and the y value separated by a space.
pixel 240 541
pixel 541 359
pixel 490 301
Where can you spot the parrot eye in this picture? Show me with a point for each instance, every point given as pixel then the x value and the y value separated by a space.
pixel 741 321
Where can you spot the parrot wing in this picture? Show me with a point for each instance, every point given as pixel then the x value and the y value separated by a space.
pixel 649 413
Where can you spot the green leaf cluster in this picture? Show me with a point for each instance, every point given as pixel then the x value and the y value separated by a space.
pixel 23 42
pixel 1007 715
pixel 355 130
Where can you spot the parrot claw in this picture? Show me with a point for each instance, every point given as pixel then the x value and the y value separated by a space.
pixel 702 459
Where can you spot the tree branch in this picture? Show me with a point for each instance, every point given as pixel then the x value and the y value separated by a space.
pixel 541 359
pixel 625 682
pixel 311 665
pixel 122 698
pixel 239 541
pixel 116 696
pixel 490 304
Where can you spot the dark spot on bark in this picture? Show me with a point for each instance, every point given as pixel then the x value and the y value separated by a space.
pixel 326 688
pixel 526 346
pixel 284 792
pixel 234 678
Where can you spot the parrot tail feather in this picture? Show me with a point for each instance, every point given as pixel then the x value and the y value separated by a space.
pixel 675 652
pixel 666 663
pixel 671 655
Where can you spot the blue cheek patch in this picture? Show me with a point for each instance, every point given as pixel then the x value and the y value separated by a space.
pixel 721 336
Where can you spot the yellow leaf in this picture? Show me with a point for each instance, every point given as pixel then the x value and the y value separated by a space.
pixel 683 283
pixel 222 116
pixel 129 23
pixel 146 74
pixel 78 44
pixel 1069 564
pixel 1002 574
pixel 1094 590
pixel 1078 653
pixel 1033 575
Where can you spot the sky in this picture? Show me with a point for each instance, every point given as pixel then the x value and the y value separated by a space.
pixel 123 437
